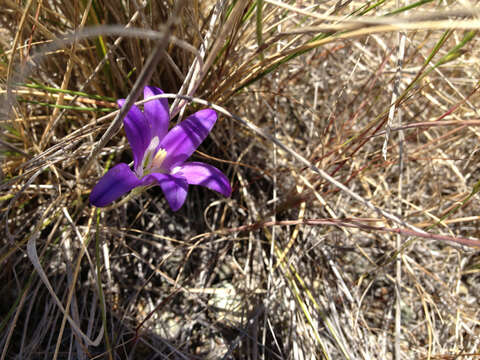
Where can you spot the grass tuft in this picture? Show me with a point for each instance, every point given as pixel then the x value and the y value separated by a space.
pixel 348 131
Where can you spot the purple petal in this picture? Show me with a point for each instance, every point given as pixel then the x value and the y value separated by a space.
pixel 183 139
pixel 198 173
pixel 138 132
pixel 156 112
pixel 174 187
pixel 116 182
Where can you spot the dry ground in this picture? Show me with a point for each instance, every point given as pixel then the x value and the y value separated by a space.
pixel 349 132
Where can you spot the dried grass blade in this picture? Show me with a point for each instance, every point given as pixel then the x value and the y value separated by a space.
pixel 33 256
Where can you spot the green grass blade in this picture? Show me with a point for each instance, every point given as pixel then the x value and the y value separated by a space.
pixel 53 90
pixel 68 107
pixel 409 7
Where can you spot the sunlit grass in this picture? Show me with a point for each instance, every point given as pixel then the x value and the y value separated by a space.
pixel 328 248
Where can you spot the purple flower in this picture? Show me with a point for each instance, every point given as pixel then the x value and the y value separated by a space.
pixel 159 155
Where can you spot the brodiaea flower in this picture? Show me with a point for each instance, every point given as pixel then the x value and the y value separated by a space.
pixel 159 155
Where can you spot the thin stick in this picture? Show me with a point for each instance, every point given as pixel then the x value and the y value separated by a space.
pixel 391 115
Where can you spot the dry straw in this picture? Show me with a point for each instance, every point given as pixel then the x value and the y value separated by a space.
pixel 349 133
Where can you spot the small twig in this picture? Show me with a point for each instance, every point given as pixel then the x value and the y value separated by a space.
pixel 355 223
pixel 391 115
pixel 17 39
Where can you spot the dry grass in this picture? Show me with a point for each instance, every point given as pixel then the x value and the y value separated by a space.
pixel 328 248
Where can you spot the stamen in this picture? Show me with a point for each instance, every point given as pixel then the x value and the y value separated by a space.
pixel 158 159
pixel 147 157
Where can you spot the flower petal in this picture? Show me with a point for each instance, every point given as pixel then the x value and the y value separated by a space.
pixel 156 112
pixel 138 130
pixel 116 182
pixel 198 173
pixel 174 187
pixel 182 140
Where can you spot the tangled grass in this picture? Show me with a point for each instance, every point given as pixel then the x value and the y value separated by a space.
pixel 348 130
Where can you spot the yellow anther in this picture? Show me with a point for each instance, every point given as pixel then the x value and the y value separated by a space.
pixel 158 158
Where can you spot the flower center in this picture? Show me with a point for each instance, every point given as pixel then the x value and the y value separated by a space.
pixel 152 159
pixel 158 158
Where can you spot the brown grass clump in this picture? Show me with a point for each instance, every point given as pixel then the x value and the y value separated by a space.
pixel 349 132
